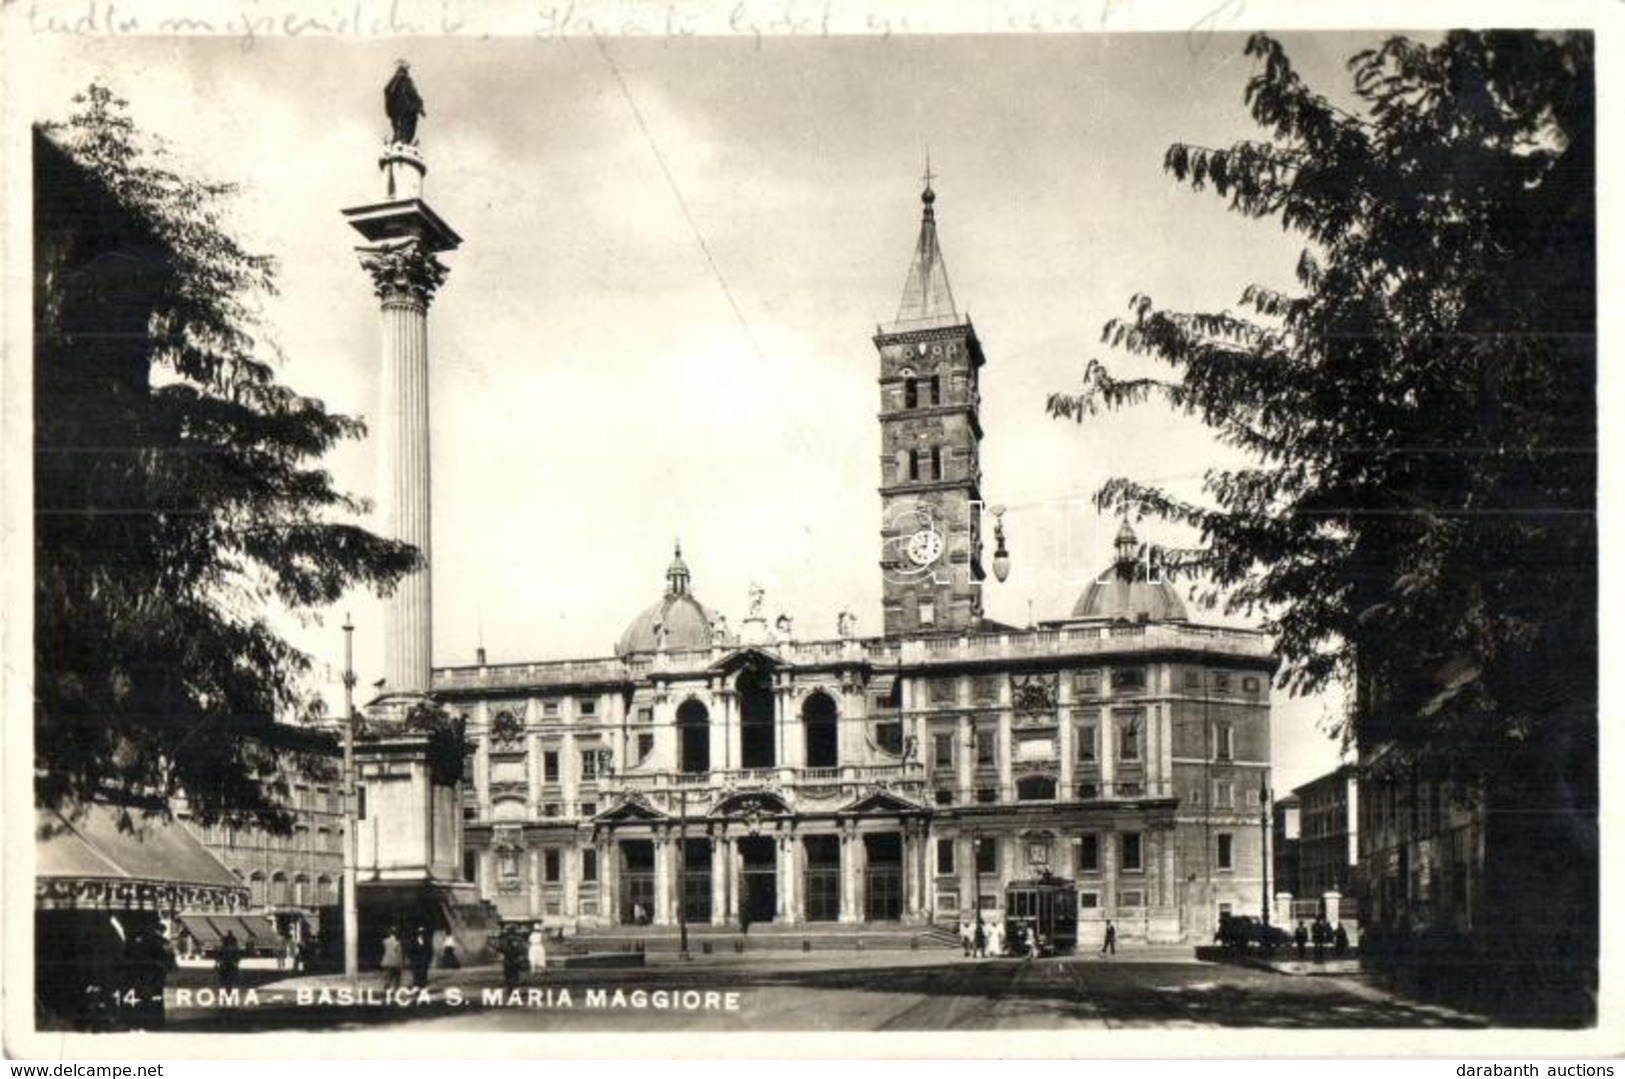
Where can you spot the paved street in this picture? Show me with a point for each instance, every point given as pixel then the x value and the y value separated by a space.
pixel 864 992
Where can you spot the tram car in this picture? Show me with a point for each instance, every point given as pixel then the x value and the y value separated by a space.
pixel 1047 907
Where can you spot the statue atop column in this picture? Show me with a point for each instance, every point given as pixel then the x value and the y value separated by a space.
pixel 403 105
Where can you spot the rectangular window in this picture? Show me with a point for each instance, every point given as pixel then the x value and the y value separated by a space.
pixel 913 464
pixel 1089 900
pixel 589 764
pixel 1089 853
pixel 1227 851
pixel 1087 683
pixel 471 864
pixel 1221 682
pixel 945 797
pixel 550 866
pixel 1130 790
pixel 1131 899
pixel 933 387
pixel 589 866
pixel 586 706
pixel 1128 738
pixel 589 809
pixel 1131 851
pixel 550 708
pixel 1224 795
pixel 361 801
pixel 1249 685
pixel 1087 744
pixel 550 766
pixel 942 751
pixel 1224 742
pixel 987 748
pixel 936 462
pixel 1193 679
pixel 987 794
pixel 646 746
pixel 1128 680
pixel 945 857
pixel 1252 798
pixel 911 393
pixel 987 855
pixel 928 613
pixel 1088 792
pixel 646 715
pixel 889 735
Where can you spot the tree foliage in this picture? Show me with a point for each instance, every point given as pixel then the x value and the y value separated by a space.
pixel 1416 517
pixel 178 492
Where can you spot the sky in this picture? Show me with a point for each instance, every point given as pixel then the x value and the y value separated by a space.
pixel 675 255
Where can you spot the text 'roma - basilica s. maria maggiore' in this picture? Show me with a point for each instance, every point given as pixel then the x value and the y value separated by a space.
pixel 741 776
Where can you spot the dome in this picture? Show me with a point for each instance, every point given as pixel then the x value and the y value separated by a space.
pixel 1125 592
pixel 683 621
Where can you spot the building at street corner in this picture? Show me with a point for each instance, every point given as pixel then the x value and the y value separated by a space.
pixel 751 773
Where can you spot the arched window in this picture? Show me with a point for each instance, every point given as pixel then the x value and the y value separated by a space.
pixel 279 889
pixel 256 889
pixel 1035 789
pixel 819 721
pixel 756 707
pixel 324 891
pixel 694 737
pixel 301 890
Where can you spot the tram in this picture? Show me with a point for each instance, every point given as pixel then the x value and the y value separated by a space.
pixel 1047 906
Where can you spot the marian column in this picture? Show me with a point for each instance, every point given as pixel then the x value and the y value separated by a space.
pixel 404 238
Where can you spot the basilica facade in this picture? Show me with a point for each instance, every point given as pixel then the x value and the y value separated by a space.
pixel 738 775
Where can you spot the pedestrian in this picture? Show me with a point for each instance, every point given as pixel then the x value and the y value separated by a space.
pixel 1340 941
pixel 967 936
pixel 448 952
pixel 536 953
pixel 148 961
pixel 421 953
pixel 227 959
pixel 513 958
pixel 1317 936
pixel 1109 945
pixel 639 915
pixel 980 938
pixel 1300 937
pixel 392 961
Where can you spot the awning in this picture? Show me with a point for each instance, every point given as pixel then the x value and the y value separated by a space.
pixel 107 857
pixel 201 928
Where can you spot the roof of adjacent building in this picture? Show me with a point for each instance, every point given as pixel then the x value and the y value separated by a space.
pixel 678 617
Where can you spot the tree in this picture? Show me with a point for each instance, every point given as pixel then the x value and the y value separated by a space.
pixel 1416 515
pixel 178 497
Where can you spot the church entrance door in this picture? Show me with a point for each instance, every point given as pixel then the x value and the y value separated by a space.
pixel 759 879
pixel 883 877
pixel 823 890
pixel 637 881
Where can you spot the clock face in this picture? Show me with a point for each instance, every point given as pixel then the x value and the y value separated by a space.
pixel 924 547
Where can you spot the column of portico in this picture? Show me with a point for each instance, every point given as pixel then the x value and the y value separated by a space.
pixel 534 877
pixel 964 759
pixel 661 915
pixel 609 876
pixel 965 863
pixel 533 774
pixel 731 876
pixel 1110 844
pixel 781 718
pixel 790 879
pixel 719 879
pixel 488 873
pixel 914 843
pixel 569 879
pixel 1006 747
pixel 851 853
pixel 722 730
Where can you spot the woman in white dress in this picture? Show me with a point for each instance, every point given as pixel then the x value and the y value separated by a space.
pixel 537 952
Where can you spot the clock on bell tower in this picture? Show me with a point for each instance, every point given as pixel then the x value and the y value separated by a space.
pixel 930 465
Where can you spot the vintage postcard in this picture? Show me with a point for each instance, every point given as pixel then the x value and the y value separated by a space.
pixel 662 524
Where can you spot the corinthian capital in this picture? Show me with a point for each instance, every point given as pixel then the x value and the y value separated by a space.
pixel 404 271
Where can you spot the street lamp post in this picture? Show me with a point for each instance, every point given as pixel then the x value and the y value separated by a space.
pixel 352 964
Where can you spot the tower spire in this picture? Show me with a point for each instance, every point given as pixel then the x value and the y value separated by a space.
pixel 927 301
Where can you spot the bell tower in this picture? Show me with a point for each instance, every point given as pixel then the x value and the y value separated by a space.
pixel 930 463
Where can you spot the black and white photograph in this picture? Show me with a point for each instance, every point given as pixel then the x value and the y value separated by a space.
pixel 1056 524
